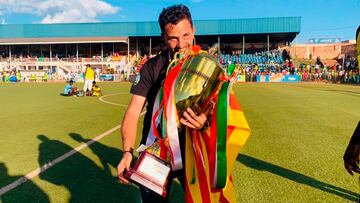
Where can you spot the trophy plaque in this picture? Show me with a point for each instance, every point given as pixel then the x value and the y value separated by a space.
pixel 150 172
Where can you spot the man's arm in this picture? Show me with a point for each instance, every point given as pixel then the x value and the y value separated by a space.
pixel 352 153
pixel 128 132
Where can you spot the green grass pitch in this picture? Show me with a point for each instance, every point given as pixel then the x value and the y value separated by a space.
pixel 294 153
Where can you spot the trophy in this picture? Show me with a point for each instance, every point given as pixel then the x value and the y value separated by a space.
pixel 197 80
pixel 199 77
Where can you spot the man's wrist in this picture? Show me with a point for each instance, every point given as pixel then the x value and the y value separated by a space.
pixel 205 126
pixel 130 151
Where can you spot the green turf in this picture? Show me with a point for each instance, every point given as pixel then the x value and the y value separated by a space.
pixel 299 134
pixel 294 153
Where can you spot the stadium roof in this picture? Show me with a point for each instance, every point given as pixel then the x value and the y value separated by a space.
pixel 119 31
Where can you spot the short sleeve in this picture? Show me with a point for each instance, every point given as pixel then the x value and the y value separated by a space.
pixel 143 81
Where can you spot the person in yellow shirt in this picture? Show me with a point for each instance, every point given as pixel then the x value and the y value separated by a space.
pixel 89 78
pixel 95 90
pixel 18 76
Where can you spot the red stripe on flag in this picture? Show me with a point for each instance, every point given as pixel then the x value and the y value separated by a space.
pixel 223 198
pixel 230 130
pixel 233 103
pixel 153 121
pixel 204 187
pixel 212 146
pixel 188 197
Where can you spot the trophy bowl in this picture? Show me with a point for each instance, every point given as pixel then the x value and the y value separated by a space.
pixel 197 79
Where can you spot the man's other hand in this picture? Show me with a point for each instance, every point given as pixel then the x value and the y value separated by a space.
pixel 352 153
pixel 123 167
pixel 196 119
pixel 351 158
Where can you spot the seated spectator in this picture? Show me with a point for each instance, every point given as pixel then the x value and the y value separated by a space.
pixel 95 90
pixel 70 90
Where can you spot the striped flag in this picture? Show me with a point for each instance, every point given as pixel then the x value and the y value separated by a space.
pixel 210 155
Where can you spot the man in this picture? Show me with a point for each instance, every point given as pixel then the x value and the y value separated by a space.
pixel 89 78
pixel 95 90
pixel 178 34
pixel 352 153
pixel 70 90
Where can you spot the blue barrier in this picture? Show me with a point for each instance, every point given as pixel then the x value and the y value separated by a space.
pixel 262 78
pixel 291 78
pixel 107 77
pixel 277 78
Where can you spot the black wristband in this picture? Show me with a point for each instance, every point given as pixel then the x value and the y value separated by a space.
pixel 131 151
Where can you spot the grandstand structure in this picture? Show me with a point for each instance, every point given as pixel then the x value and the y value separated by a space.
pixel 68 47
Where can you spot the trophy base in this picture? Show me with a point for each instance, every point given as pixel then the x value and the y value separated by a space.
pixel 150 172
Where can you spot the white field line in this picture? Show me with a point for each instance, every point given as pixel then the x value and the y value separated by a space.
pixel 52 163
pixel 102 99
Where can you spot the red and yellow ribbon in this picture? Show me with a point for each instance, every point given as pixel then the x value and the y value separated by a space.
pixel 209 155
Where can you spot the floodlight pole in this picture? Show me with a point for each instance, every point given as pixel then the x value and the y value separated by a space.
pixel 9 56
pixel 150 47
pixel 90 51
pixel 295 61
pixel 50 57
pixel 137 45
pixel 268 49
pixel 219 45
pixel 102 52
pixel 77 52
pixel 243 44
pixel 128 51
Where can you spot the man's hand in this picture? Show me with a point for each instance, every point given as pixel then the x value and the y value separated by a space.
pixel 351 158
pixel 128 131
pixel 124 166
pixel 196 119
pixel 352 153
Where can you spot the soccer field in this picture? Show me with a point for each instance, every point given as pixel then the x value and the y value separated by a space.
pixel 294 153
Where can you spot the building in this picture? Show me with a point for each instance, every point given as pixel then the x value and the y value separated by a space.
pixel 68 47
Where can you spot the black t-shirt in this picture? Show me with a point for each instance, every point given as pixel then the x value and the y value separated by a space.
pixel 148 83
pixel 152 75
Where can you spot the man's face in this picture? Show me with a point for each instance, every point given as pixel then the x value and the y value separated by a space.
pixel 179 37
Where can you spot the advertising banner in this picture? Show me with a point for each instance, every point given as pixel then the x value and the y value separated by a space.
pixel 107 77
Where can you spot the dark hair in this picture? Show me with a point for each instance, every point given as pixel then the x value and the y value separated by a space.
pixel 173 14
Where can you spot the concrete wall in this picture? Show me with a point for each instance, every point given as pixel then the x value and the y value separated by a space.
pixel 324 51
